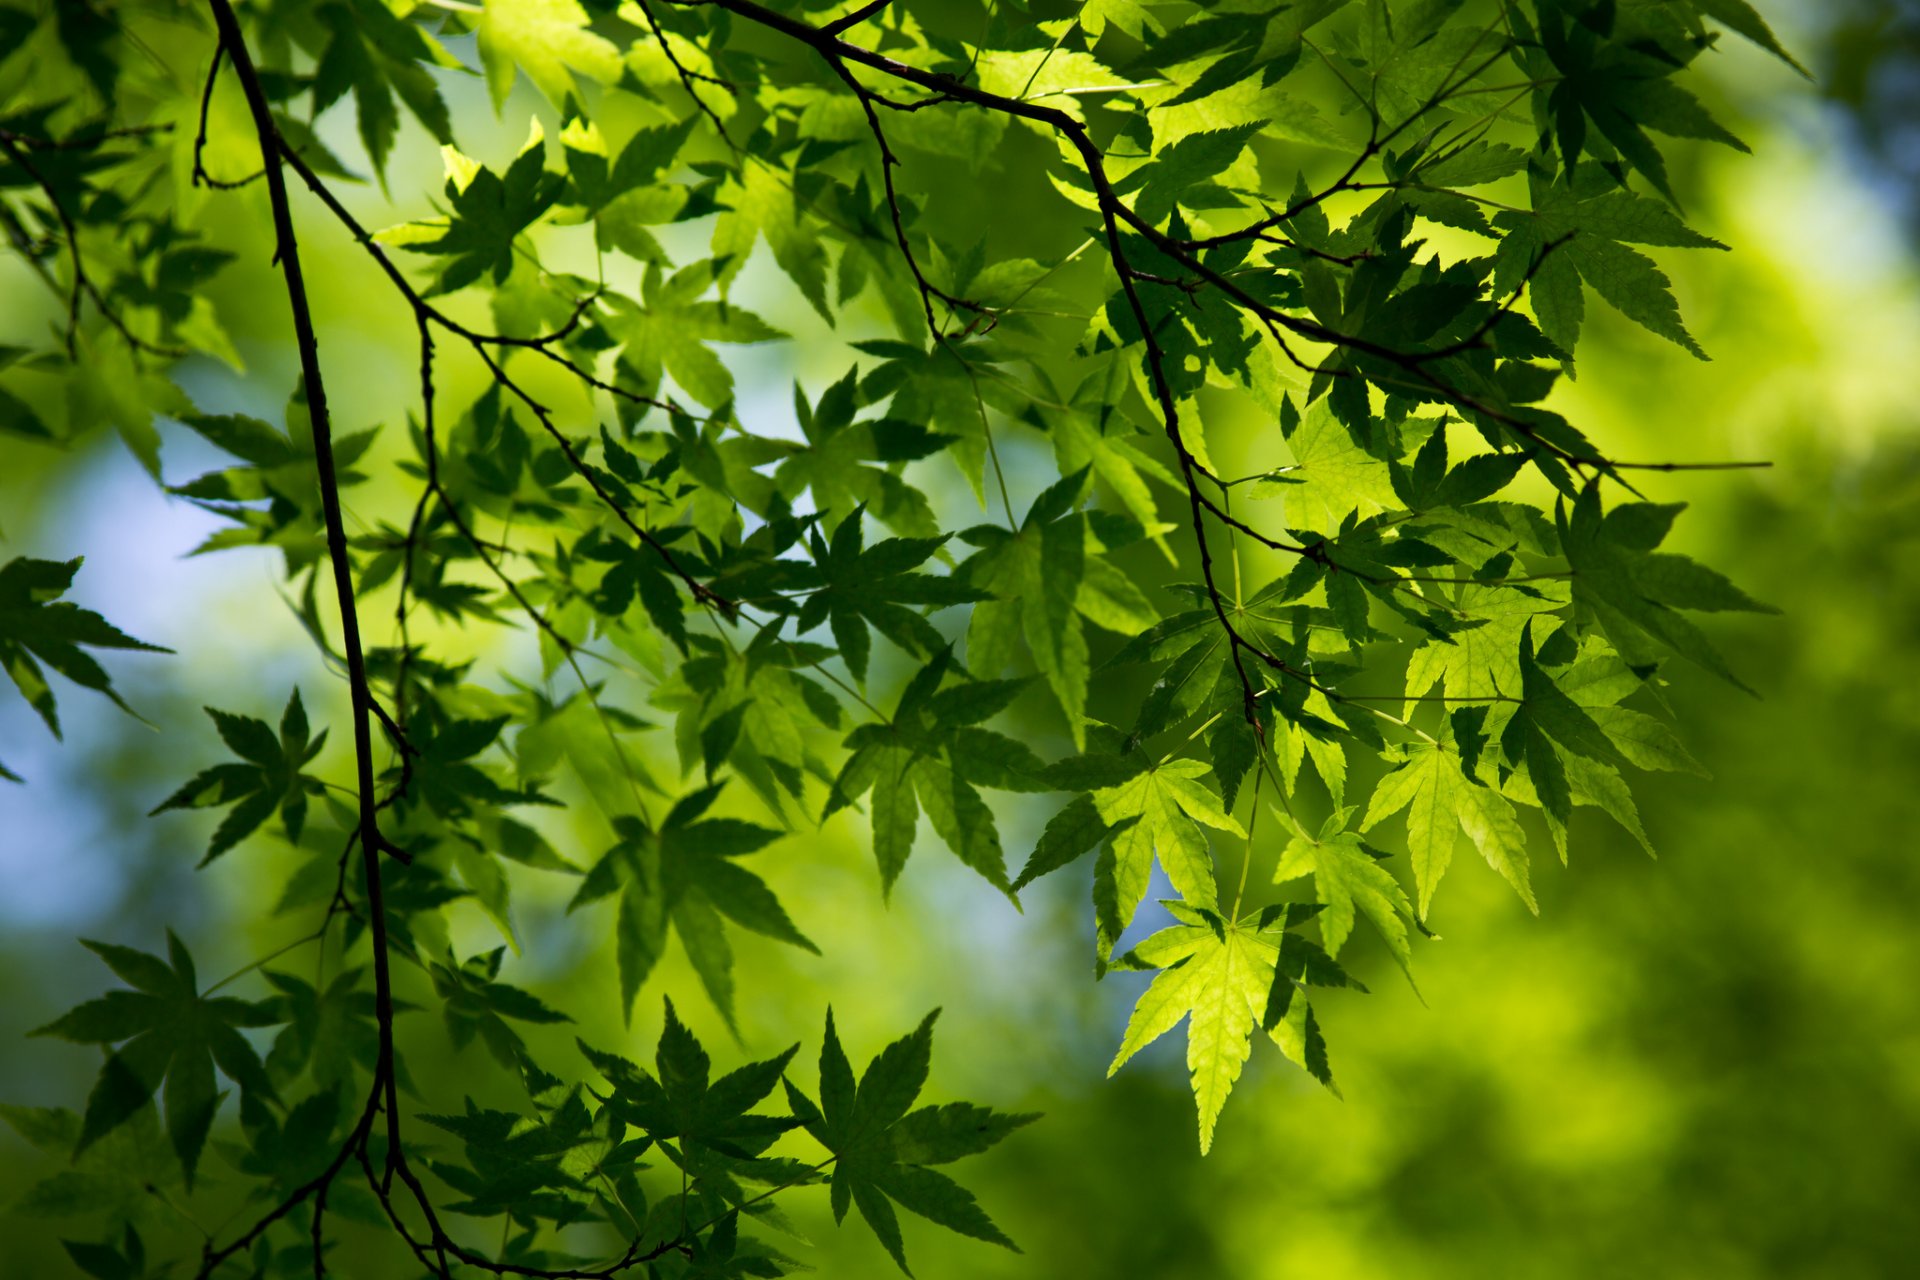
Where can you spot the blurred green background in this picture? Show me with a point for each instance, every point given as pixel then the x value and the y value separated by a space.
pixel 1703 1066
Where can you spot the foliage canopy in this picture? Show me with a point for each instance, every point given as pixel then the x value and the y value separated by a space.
pixel 1433 600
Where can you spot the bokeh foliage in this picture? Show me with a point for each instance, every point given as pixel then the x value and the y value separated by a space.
pixel 1663 1036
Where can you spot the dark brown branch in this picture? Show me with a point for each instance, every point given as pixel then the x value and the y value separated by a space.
pixel 372 843
pixel 200 175
pixel 688 76
pixel 888 162
pixel 855 18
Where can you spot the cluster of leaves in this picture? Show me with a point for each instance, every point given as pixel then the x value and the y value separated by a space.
pixel 577 1153
pixel 1392 602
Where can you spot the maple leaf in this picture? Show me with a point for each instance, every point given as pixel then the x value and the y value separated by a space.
pixel 514 1164
pixel 1331 476
pixel 1034 577
pixel 1348 880
pixel 711 1122
pixel 1442 801
pixel 668 331
pixel 378 56
pixel 475 1002
pixel 167 1031
pixel 619 499
pixel 1183 170
pixel 932 755
pixel 1637 592
pixel 685 876
pixel 838 466
pixel 270 776
pixel 1588 226
pixel 1227 979
pixel 116 1174
pixel 761 203
pixel 488 212
pixel 884 1152
pixel 330 1033
pixel 1621 86
pixel 279 472
pixel 860 586
pixel 1163 809
pixel 546 40
pixel 36 623
pixel 286 1153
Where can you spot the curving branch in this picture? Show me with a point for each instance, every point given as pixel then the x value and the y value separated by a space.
pixel 440 1252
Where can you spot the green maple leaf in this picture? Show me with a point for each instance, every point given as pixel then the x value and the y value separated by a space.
pixel 1131 16
pixel 625 195
pixel 1366 563
pixel 488 212
pixel 1430 483
pixel 1482 661
pixel 669 332
pixel 884 1152
pixel 724 1254
pixel 1331 477
pixel 838 464
pixel 109 1260
pixel 269 777
pixel 1636 592
pixel 474 1002
pixel 1068 834
pixel 376 55
pixel 1228 979
pixel 1620 84
pixel 692 132
pixel 1646 742
pixel 1573 752
pixel 685 876
pixel 1472 165
pixel 279 472
pixel 860 586
pixel 545 40
pixel 516 1164
pixel 329 1033
pixel 442 775
pixel 1117 455
pixel 284 1154
pixel 1198 676
pixel 932 756
pixel 761 202
pixel 1163 809
pixel 710 1123
pixel 1181 172
pixel 1035 577
pixel 1543 729
pixel 1589 224
pixel 171 1033
pixel 1442 801
pixel 36 624
pixel 1741 17
pixel 114 1177
pixel 639 573
pixel 1349 881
